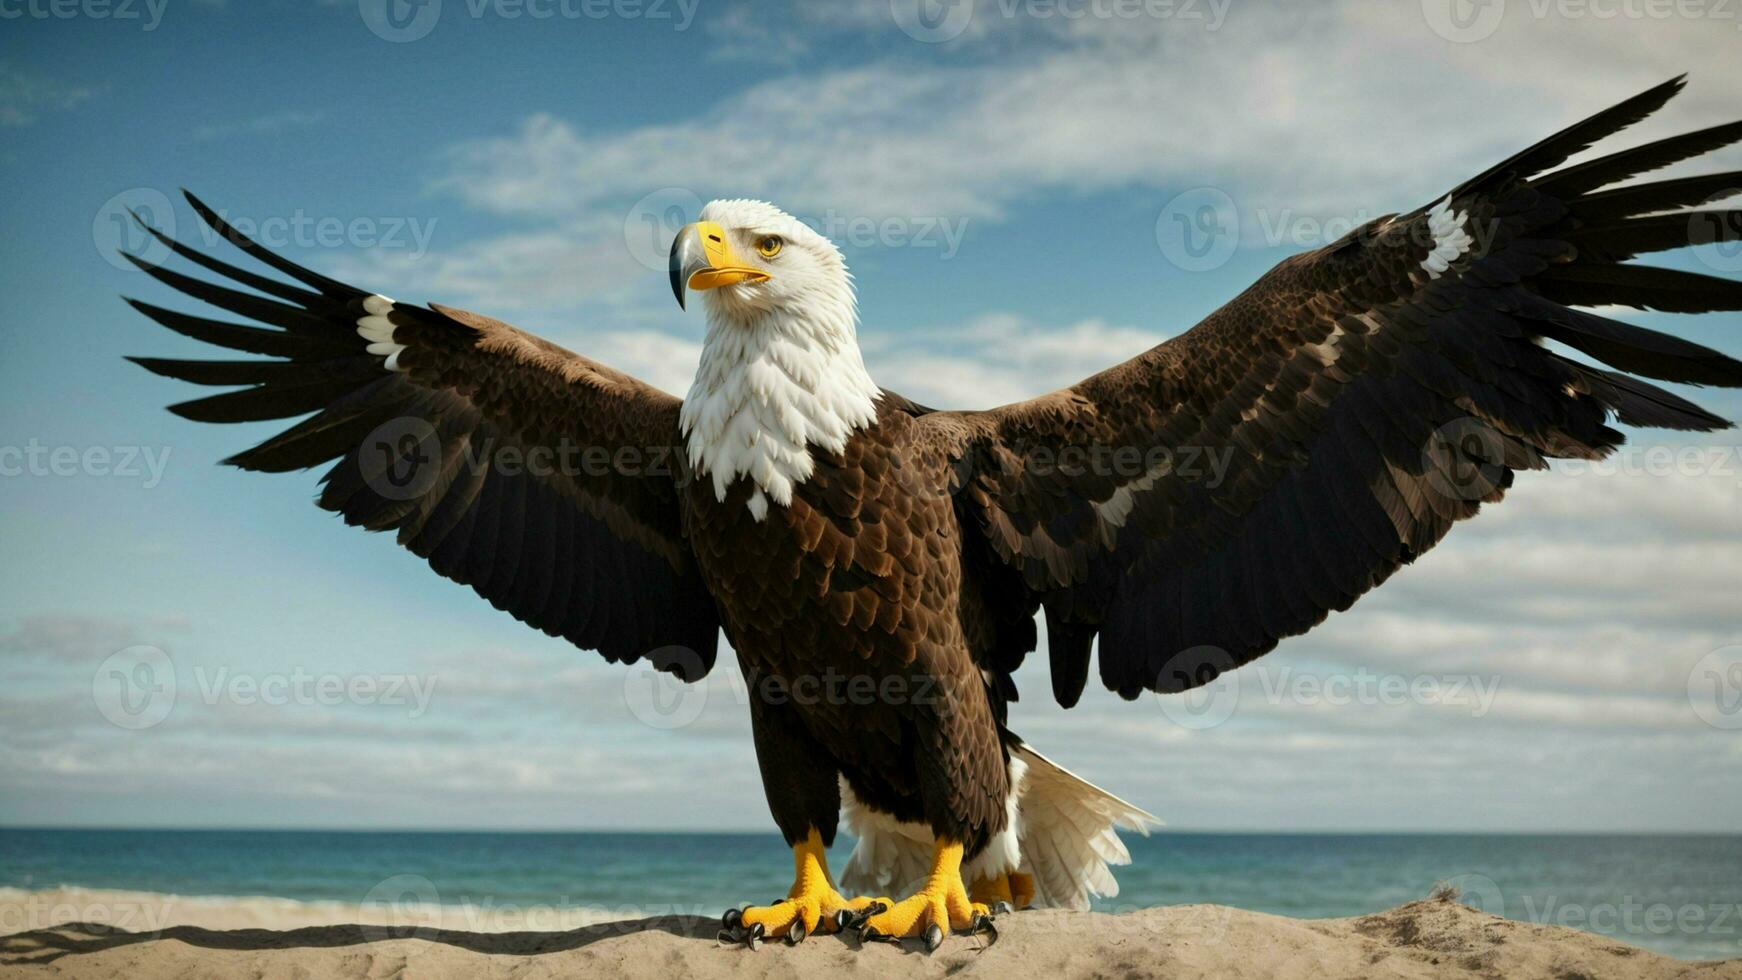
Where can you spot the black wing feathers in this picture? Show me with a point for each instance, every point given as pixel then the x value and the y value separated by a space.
pixel 556 550
pixel 1570 182
pixel 1581 135
pixel 1365 398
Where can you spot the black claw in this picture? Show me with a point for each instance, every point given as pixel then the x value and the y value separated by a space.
pixel 797 933
pixel 732 919
pixel 728 937
pixel 934 937
pixel 754 940
pixel 869 934
pixel 847 919
pixel 1002 908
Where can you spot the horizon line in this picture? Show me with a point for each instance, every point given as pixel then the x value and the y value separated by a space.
pixel 842 832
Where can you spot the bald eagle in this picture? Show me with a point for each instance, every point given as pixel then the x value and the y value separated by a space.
pixel 878 567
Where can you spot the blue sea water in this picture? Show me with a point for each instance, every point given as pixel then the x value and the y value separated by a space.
pixel 1679 895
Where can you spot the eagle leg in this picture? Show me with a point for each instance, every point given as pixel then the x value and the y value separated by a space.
pixel 811 903
pixel 1013 889
pixel 942 903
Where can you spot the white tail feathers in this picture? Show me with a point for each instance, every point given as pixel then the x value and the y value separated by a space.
pixel 1069 834
pixel 889 857
pixel 1064 832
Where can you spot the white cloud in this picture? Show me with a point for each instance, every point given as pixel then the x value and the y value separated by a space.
pixel 992 360
pixel 25 96
pixel 1034 107
pixel 1589 597
pixel 747 34
pixel 271 124
pixel 1584 601
pixel 1586 721
pixel 998 358
pixel 552 267
pixel 68 637
pixel 1109 104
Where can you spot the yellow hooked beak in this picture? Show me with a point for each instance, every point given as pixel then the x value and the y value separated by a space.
pixel 702 258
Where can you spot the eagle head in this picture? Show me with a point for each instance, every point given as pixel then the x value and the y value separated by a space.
pixel 780 371
pixel 755 261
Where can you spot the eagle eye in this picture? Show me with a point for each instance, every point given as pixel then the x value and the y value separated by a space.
pixel 769 246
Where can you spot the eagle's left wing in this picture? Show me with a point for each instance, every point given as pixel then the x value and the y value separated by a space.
pixel 1230 487
pixel 546 481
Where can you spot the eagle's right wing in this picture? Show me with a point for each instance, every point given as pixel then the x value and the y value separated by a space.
pixel 544 480
pixel 1232 486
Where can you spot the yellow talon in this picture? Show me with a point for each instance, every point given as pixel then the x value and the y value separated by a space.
pixel 941 904
pixel 1015 888
pixel 811 903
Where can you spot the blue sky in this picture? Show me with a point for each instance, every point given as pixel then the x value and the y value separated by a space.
pixel 1005 198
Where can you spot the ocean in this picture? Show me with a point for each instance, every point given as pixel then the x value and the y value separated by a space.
pixel 1678 895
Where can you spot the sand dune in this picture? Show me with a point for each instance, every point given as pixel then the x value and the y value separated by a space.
pixel 218 939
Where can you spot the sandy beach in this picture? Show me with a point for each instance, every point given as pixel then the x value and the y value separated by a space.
pixel 159 938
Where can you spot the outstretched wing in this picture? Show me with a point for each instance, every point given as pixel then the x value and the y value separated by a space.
pixel 1230 487
pixel 545 481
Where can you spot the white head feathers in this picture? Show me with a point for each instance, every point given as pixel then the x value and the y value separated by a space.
pixel 781 370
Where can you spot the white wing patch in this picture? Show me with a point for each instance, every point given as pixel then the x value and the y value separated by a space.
pixel 376 328
pixel 1450 238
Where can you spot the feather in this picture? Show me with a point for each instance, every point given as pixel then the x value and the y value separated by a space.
pixel 1554 150
pixel 1068 649
pixel 1638 349
pixel 271 287
pixel 1603 171
pixel 354 370
pixel 1642 287
pixel 235 336
pixel 1366 396
pixel 1663 195
pixel 1069 833
pixel 329 287
pixel 1618 241
pixel 473 520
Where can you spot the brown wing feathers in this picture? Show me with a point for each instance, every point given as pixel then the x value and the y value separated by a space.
pixel 1321 430
pixel 593 556
pixel 1363 404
